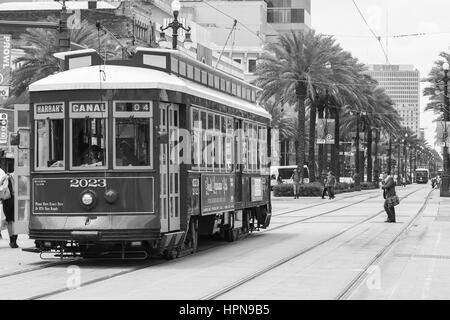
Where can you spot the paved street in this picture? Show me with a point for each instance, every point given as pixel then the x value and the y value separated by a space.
pixel 314 249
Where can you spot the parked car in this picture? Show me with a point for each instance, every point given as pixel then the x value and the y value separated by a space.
pixel 285 174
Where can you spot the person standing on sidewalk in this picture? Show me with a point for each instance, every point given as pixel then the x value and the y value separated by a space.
pixel 389 194
pixel 331 184
pixel 296 183
pixel 7 198
pixel 324 182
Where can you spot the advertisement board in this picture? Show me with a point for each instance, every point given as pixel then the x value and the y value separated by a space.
pixel 325 131
pixel 258 185
pixel 5 64
pixel 217 193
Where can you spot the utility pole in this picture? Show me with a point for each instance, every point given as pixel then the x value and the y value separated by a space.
pixel 358 174
pixel 390 155
pixel 61 26
pixel 398 159
pixel 63 36
pixel 445 192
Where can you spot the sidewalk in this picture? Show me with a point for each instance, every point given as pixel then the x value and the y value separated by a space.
pixel 12 260
pixel 417 266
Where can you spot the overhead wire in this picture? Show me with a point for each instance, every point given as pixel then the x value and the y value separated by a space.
pixel 378 38
pixel 233 18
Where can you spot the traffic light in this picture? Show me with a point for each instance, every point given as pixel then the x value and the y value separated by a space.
pixel 3 128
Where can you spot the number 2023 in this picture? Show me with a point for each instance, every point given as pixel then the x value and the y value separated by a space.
pixel 84 183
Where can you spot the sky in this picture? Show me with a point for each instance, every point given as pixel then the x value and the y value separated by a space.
pixel 394 17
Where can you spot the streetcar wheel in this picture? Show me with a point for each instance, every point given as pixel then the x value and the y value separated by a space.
pixel 170 254
pixel 193 234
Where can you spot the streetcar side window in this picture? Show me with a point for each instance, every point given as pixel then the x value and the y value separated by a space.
pixel 133 134
pixel 88 142
pixel 212 136
pixel 50 143
pixel 132 138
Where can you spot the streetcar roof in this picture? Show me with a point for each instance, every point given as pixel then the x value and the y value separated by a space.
pixel 126 77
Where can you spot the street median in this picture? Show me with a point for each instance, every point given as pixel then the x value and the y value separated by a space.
pixel 315 189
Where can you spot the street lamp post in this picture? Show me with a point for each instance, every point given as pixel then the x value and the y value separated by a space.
pixel 445 192
pixel 399 160
pixel 405 155
pixel 390 155
pixel 175 25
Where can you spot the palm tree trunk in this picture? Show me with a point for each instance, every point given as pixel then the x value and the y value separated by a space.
pixel 336 159
pixel 312 142
pixel 300 150
pixel 320 151
pixel 376 172
pixel 369 154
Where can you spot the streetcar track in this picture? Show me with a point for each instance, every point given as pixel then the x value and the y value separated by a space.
pixel 114 275
pixel 316 205
pixel 52 264
pixel 152 264
pixel 159 262
pixel 280 262
pixel 37 268
pixel 354 284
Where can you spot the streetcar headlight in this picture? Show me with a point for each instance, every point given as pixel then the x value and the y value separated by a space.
pixel 87 199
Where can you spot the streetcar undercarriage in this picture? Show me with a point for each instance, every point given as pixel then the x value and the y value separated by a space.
pixel 228 226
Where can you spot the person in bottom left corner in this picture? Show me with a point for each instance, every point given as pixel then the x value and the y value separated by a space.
pixel 7 198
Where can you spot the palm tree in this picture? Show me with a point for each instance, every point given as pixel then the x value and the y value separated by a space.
pixel 39 45
pixel 290 69
pixel 376 111
pixel 433 91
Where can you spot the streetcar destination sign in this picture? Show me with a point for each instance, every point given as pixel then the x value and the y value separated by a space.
pixel 49 108
pixel 88 107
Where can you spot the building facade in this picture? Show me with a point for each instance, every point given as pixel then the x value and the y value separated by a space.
pixel 402 84
pixel 286 15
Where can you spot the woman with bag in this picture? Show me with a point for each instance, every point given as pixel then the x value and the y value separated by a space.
pixel 391 198
pixel 7 197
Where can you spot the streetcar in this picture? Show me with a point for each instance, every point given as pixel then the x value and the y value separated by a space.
pixel 137 158
pixel 422 175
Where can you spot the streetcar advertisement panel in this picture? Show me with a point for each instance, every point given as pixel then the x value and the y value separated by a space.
pixel 126 195
pixel 217 193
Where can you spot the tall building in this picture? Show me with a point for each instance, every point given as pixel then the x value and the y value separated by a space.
pixel 286 15
pixel 402 84
pixel 259 22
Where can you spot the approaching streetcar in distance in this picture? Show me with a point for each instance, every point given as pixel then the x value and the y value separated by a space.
pixel 422 175
pixel 140 157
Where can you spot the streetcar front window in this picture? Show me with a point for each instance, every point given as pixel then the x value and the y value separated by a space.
pixel 88 142
pixel 132 142
pixel 50 143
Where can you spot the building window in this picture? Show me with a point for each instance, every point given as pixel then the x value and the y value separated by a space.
pixel 238 61
pixel 251 65
pixel 297 15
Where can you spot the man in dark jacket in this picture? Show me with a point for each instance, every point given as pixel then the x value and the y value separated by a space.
pixel 389 191
pixel 331 184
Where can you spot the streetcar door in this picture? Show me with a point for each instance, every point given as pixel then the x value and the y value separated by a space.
pixel 169 169
pixel 22 169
